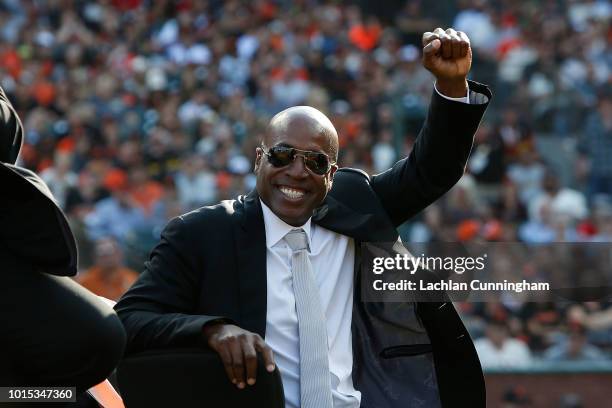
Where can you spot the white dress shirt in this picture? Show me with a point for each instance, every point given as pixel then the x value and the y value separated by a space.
pixel 464 99
pixel 333 257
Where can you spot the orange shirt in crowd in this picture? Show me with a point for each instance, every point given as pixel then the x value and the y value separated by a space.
pixel 147 195
pixel 110 284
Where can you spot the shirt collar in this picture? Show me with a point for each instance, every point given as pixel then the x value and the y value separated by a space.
pixel 276 229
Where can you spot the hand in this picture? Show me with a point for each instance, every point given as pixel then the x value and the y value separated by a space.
pixel 448 56
pixel 237 349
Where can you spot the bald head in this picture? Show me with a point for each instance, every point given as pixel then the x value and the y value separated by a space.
pixel 308 119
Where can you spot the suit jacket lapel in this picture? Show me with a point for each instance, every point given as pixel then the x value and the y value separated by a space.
pixel 251 265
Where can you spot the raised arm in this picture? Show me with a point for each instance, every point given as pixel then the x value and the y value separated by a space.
pixel 443 145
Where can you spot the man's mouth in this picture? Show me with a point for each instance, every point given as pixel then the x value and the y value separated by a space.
pixel 292 193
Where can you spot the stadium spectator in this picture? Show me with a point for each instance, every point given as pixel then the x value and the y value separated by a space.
pixel 596 147
pixel 498 349
pixel 108 277
pixel 564 203
pixel 117 216
pixel 574 348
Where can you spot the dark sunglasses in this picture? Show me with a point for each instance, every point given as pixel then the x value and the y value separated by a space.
pixel 281 156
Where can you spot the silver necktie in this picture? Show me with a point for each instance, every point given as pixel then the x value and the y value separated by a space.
pixel 315 380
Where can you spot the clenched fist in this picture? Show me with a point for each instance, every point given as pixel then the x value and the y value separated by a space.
pixel 448 56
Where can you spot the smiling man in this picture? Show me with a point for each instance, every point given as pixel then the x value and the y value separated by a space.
pixel 275 273
pixel 293 190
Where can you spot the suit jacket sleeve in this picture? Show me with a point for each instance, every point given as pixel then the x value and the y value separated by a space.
pixel 159 310
pixel 438 157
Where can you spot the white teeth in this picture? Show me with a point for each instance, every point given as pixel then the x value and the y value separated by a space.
pixel 291 193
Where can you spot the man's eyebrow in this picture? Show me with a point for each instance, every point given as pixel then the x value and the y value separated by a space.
pixel 284 144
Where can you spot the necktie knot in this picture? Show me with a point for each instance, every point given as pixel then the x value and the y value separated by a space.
pixel 296 239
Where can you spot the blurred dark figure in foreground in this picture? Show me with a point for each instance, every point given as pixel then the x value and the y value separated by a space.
pixel 53 332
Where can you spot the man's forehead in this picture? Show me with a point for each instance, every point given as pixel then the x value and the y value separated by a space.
pixel 301 124
pixel 302 116
pixel 300 137
pixel 297 128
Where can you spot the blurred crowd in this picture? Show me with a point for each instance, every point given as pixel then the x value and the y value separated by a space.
pixel 137 111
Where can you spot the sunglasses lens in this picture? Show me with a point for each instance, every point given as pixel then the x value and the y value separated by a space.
pixel 281 156
pixel 317 163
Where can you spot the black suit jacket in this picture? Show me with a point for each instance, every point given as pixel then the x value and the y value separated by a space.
pixel 211 264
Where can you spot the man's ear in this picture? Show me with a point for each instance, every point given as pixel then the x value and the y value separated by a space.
pixel 332 171
pixel 258 156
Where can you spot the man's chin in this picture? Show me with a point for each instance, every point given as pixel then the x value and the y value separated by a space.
pixel 293 217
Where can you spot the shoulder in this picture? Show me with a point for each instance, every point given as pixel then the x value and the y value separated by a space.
pixel 352 172
pixel 32 178
pixel 223 210
pixel 208 219
pixel 351 176
pixel 351 183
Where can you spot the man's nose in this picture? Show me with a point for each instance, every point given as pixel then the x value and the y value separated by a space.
pixel 297 168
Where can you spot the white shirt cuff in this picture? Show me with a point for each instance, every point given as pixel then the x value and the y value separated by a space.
pixel 464 99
